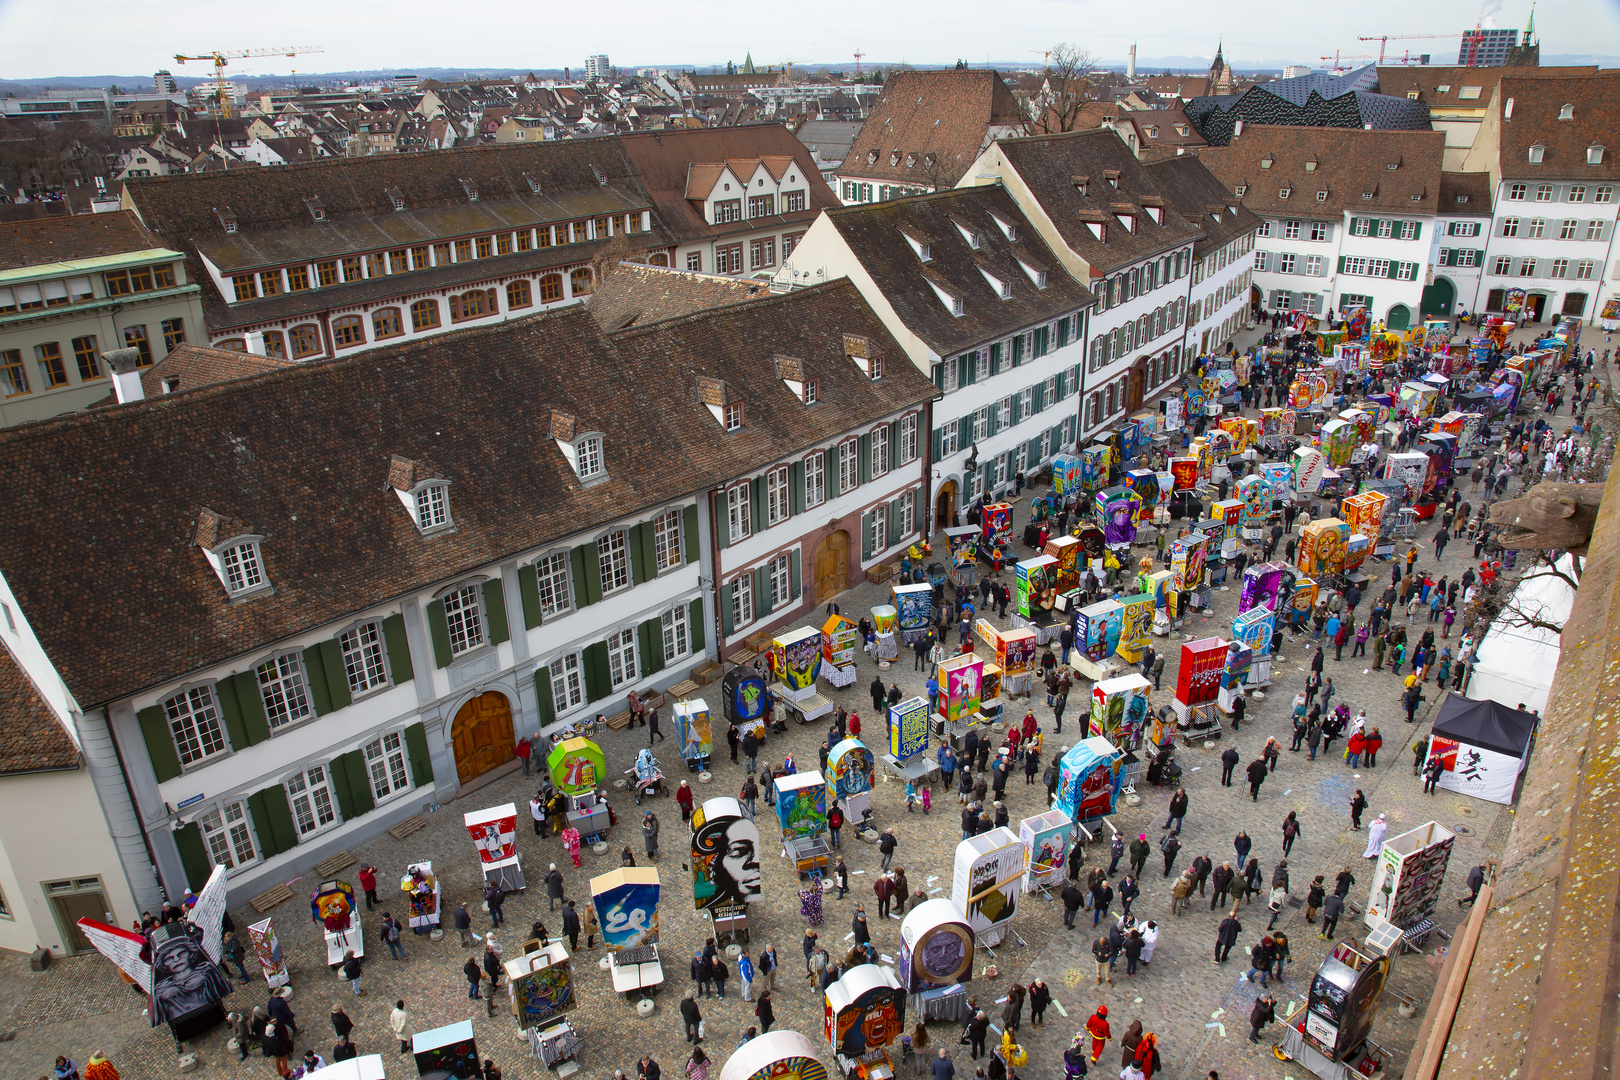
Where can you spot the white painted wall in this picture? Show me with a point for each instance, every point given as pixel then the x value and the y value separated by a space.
pixel 1528 208
pixel 1274 241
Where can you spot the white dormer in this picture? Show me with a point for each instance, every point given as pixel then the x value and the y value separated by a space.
pixel 584 451
pixel 1537 153
pixel 1003 288
pixel 232 549
pixel 1594 154
pixel 1099 229
pixel 395 196
pixel 723 405
pixel 423 492
pixel 858 347
pixel 1566 112
pixel 970 235
pixel 1008 229
pixel 1127 220
pixel 924 252
pixel 952 303
pixel 1035 275
pixel 1156 213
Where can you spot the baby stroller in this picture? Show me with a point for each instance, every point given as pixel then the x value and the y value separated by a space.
pixel 649 779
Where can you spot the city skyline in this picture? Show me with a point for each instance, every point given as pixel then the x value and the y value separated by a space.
pixel 38 44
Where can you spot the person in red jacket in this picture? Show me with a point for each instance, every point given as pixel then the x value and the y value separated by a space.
pixel 1097 1028
pixel 854 726
pixel 368 885
pixel 1147 1055
pixel 1357 746
pixel 683 799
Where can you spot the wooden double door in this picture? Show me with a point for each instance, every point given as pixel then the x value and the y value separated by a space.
pixel 831 565
pixel 481 735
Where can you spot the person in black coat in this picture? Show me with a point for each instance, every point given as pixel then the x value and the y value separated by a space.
pixel 1263 1013
pixel 571 926
pixel 1257 775
pixel 1072 899
pixel 1229 762
pixel 880 697
pixel 765 1011
pixel 693 1018
pixel 1226 936
pixel 282 1013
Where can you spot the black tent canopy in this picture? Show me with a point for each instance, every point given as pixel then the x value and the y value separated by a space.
pixel 1486 724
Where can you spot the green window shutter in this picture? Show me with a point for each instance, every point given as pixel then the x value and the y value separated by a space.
pixel 965 432
pixel 727 626
pixel 272 820
pixel 416 749
pixel 597 682
pixel 337 675
pixel 894 522
pixel 1341 263
pixel 341 790
pixel 1394 269
pixel 690 528
pixel 1037 394
pixel 694 626
pixel 529 592
pixel 315 672
pixel 188 842
pixel 968 370
pixel 722 534
pixel 939 444
pixel 399 647
pixel 542 694
pixel 593 572
pixel 652 647
pixel 1034 451
pixel 894 444
pixel 989 474
pixel 1018 350
pixel 796 487
pixel 635 539
pixel 994 424
pixel 495 612
pixel 354 767
pixel 649 548
pixel 756 495
pixel 231 713
pixel 863 452
pixel 995 358
pixel 762 591
pixel 793 573
pixel 439 631
pixel 576 566
pixel 1017 404
pixel 254 722
pixel 866 535
pixel 939 375
pixel 160 746
pixel 831 472
pixel 1418 226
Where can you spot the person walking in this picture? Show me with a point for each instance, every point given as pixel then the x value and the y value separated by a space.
pixel 1229 762
pixel 1263 1013
pixel 462 921
pixel 976 1030
pixel 1290 832
pixel 886 844
pixel 1097 1027
pixel 1221 878
pixel 400 1021
pixel 352 971
pixel 692 1017
pixel 1314 897
pixel 1139 853
pixel 368 885
pixel 1432 772
pixel 1178 810
pixel 1358 803
pixel 1103 953
pixel 474 975
pixel 1332 908
pixel 1226 936
pixel 1257 776
pixel 495 896
pixel 1169 846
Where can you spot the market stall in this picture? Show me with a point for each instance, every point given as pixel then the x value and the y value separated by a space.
pixel 1483 745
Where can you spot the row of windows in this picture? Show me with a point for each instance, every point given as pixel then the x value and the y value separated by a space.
pixel 1286 262
pixel 1462 228
pixel 350 268
pixel 1358 266
pixel 1103 404
pixel 1600 193
pixel 1565 229
pixel 1508 266
pixel 1297 230
pixel 1216 261
pixel 51 365
pixel 1460 257
pixel 1122 340
pixel 1139 280
pixel 1574 302
pixel 350 330
pixel 38 295
pixel 1284 300
pixel 977 365
pixel 994 474
pixel 758 206
pixel 1014 409
pixel 567 673
pixel 1238 286
pixel 1385 229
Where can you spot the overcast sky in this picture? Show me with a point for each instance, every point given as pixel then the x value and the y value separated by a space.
pixel 136 37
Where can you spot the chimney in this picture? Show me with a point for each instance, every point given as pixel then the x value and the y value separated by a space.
pixel 255 342
pixel 1130 66
pixel 126 369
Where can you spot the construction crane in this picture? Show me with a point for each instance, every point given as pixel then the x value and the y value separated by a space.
pixel 858 56
pixel 1045 55
pixel 1336 58
pixel 1383 39
pixel 220 59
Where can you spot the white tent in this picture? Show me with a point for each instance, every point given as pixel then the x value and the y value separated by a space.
pixel 1484 744
pixel 1515 663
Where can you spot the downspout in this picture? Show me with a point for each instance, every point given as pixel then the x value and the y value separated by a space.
pixel 111 781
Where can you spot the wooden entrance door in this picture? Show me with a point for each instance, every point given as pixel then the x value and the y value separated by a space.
pixel 832 565
pixel 482 735
pixel 1136 388
pixel 945 505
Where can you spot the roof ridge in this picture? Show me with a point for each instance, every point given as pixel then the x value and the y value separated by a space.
pixel 766 297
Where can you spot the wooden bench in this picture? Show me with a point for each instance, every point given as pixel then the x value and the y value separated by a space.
pixel 342 860
pixel 414 823
pixel 619 721
pixel 270 898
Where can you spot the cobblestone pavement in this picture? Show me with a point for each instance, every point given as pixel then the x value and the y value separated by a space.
pixel 79 1006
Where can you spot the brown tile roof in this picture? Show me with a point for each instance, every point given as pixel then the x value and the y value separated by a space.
pixel 192 367
pixel 303 452
pixel 1185 86
pixel 1466 193
pixel 1049 165
pixel 38 241
pixel 631 293
pixel 938 122
pixel 876 234
pixel 1344 162
pixel 1537 103
pixel 32 739
pixel 1192 191
pixel 1426 81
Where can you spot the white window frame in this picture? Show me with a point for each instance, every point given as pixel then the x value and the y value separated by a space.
pixel 200 721
pixel 909 448
pixel 949 369
pixel 1319 230
pixel 877 520
pixel 815 479
pixel 739 512
pixel 622 659
pixel 553 583
pixel 242 567
pixel 1386 228
pixel 779 572
pixel 312 794
pixel 463 618
pixel 981 423
pixel 1504 265
pixel 1286 262
pixel 849 465
pixel 433 506
pixel 1584 269
pixel 567 683
pixel 879 445
pixel 742 599
pixel 1596 228
pixel 733 416
pixel 365 657
pixel 231 826
pixel 1409 230
pixel 388 754
pixel 667 551
pixel 1314 265
pixel 1291 230
pixel 677 639
pixel 1003 470
pixel 908 513
pixel 950 440
pixel 1004 414
pixel 777 504
pixel 284 691
pixel 613 560
pixel 591 462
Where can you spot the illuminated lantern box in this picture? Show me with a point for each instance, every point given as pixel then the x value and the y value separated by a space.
pixel 1271 422
pixel 1092 547
pixel 988 881
pixel 1280 475
pixel 1066 550
pixel 743 694
pixel 913 605
pixel 1309 468
pixel 626 902
pixel 1119 509
pixel 1339 440
pixel 541 984
pixel 1254 510
pixel 1156 585
pixel 1187 562
pixel 1238 429
pixel 1167 487
pixel 1145 484
pixel 839 640
pixel 1234 674
pixel 885 624
pixel 997 520
pixel 990 687
pixel 936 947
pixel 963 545
pixel 1362 420
pixel 1119 709
pixel 1097 630
pixel 1061 464
pixel 1089 777
pixel 801 805
pixel 1199 679
pixel 1355 551
pixel 1015 649
pixel 725 858
pixel 1231 512
pixel 1046 840
pixel 961 685
pixel 1363 512
pixel 1135 624
pixel 1304 599
pixel 1254 628
pixel 1322 547
pixel 1410 469
pixel 798 661
pixel 1034 587
pixel 1184 471
pixel 692 728
pixel 1094 462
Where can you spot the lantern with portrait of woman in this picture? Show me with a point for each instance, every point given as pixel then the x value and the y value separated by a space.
pixel 725 858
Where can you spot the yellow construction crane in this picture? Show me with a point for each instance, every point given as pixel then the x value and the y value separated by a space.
pixel 1385 39
pixel 1044 54
pixel 220 59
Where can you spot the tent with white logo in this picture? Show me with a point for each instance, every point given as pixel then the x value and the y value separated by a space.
pixel 1484 745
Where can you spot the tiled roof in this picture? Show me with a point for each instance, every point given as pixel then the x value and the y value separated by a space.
pixel 31 737
pixel 631 293
pixel 1049 164
pixel 1193 192
pixel 1344 162
pixel 876 234
pixel 938 121
pixel 192 367
pixel 1537 103
pixel 1427 80
pixel 1466 193
pixel 43 240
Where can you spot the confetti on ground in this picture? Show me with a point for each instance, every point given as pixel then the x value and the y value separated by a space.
pixel 1217 1014
pixel 995 1029
pixel 1290 791
pixel 1212 1024
pixel 1138 1001
pixel 857 871
pixel 937 888
pixel 1060 1007
pixel 932 878
pixel 1222 1030
pixel 886 958
pixel 850 936
pixel 1195 768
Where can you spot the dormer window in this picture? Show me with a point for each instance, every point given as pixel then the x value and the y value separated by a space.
pixel 534 184
pixel 227 219
pixel 858 347
pixel 1112 176
pixel 1035 275
pixel 1241 190
pixel 422 490
pixel 1566 112
pixel 395 196
pixel 317 209
pixel 894 158
pixel 1266 162
pixel 1310 166
pixel 1082 184
pixel 1462 198
pixel 911 161
pixel 241 567
pixel 1321 196
pixel 1002 288
pixel 812 392
pixel 1156 213
pixel 1099 229
pixel 432 506
pixel 1393 165
pixel 923 251
pixel 970 235
pixel 1594 154
pixel 1127 220
pixel 871 157
pixel 1283 193
pixel 733 416
pixel 589 461
pixel 1008 229
pixel 471 188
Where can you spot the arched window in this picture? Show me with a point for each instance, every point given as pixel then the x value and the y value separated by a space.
pixel 348 330
pixel 518 294
pixel 579 282
pixel 660 259
pixel 386 323
pixel 473 304
pixel 306 340
pixel 275 344
pixel 424 314
pixel 551 289
pixel 234 344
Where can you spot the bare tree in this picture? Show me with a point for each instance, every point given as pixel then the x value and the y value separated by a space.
pixel 1066 88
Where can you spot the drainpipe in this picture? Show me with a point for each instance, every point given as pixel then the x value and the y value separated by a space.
pixel 107 775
